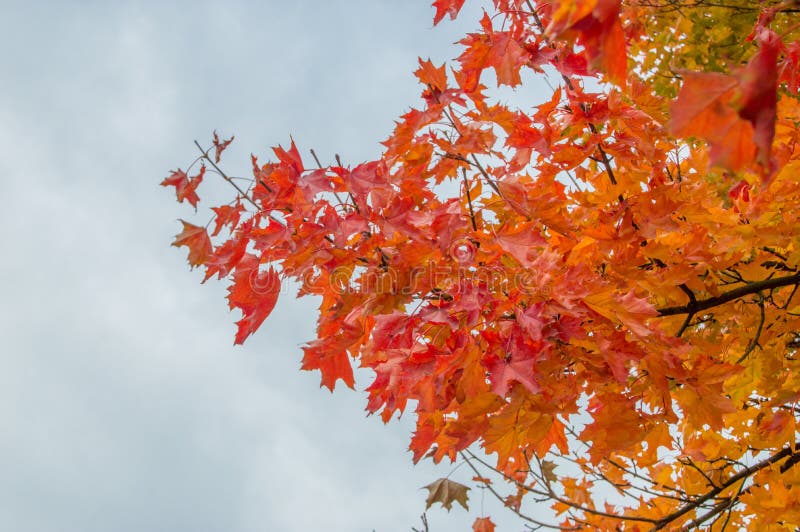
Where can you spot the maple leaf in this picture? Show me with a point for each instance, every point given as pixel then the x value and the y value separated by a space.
pixel 446 7
pixel 290 158
pixel 225 258
pixel 197 240
pixel 446 492
pixel 702 108
pixel 514 368
pixel 219 147
pixel 255 293
pixel 548 471
pixel 185 187
pixel 483 524
pixel 226 215
pixel 332 361
pixel 630 310
pixel 759 85
pixel 520 242
pixel 365 177
pixel 706 107
pixel 435 77
pixel 598 26
pixel 497 49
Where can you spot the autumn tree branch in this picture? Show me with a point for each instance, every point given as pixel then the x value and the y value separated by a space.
pixel 786 452
pixel 225 176
pixel 750 288
pixel 603 159
pixel 469 200
pixel 550 494
pixel 500 497
pixel 754 342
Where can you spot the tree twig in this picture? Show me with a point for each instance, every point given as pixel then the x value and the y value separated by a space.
pixel 469 200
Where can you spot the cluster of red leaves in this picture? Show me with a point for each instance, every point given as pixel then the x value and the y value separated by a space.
pixel 500 312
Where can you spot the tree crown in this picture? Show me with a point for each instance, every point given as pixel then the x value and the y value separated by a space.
pixel 599 290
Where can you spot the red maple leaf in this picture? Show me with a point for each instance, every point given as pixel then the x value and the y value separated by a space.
pixel 333 364
pixel 759 85
pixel 255 293
pixel 598 28
pixel 446 7
pixel 514 368
pixel 704 109
pixel 185 186
pixel 497 49
pixel 197 240
pixel 226 215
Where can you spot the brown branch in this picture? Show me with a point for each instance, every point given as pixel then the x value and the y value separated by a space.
pixel 227 178
pixel 736 293
pixel 469 200
pixel 486 176
pixel 474 161
pixel 694 466
pixel 628 485
pixel 725 504
pixel 741 475
pixel 754 342
pixel 682 495
pixel 335 194
pixel 789 300
pixel 690 315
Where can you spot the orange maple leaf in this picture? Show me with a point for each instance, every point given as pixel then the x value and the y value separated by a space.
pixel 483 524
pixel 446 7
pixel 185 187
pixel 255 293
pixel 197 240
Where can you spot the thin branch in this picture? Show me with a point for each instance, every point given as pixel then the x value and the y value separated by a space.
pixel 469 200
pixel 624 488
pixel 500 497
pixel 694 466
pixel 554 496
pixel 424 519
pixel 319 165
pixel 225 176
pixel 314 155
pixel 486 175
pixel 474 161
pixel 789 300
pixel 682 494
pixel 725 504
pixel 754 342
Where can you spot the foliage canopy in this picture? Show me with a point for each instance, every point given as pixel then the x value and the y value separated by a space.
pixel 599 290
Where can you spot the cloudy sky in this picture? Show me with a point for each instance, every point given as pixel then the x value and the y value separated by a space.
pixel 123 404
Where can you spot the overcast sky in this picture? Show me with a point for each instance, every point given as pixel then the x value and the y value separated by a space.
pixel 123 404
